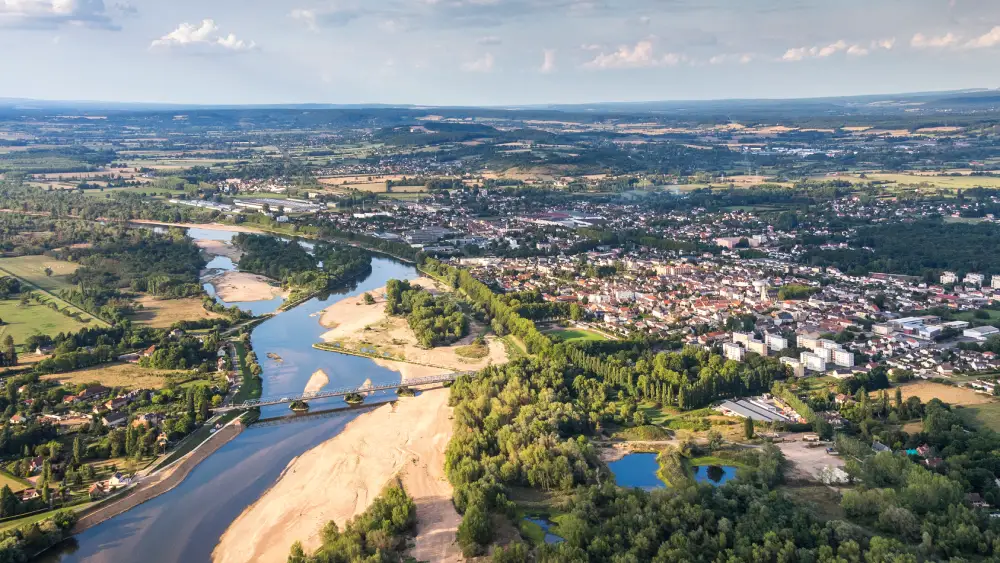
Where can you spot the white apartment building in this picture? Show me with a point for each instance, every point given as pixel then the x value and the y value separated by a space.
pixel 775 342
pixel 843 358
pixel 733 351
pixel 812 361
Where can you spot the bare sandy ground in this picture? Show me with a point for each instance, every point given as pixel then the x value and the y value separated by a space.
pixel 353 323
pixel 235 287
pixel 339 479
pixel 316 382
pixel 206 226
pixel 219 248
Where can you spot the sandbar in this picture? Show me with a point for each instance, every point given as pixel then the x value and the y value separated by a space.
pixel 354 324
pixel 317 381
pixel 219 248
pixel 237 287
pixel 341 477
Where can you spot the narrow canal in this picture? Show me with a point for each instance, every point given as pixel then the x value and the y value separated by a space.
pixel 186 523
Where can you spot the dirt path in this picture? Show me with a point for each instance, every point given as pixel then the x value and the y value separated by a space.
pixel 162 481
pixel 339 478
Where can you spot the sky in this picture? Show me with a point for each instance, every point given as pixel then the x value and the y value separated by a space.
pixel 491 52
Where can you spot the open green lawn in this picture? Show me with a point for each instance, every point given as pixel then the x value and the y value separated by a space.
pixel 22 321
pixel 970 316
pixel 569 334
pixel 983 415
pixel 15 483
pixel 32 269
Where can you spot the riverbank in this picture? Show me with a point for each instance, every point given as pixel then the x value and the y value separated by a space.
pixel 219 248
pixel 163 480
pixel 339 479
pixel 242 287
pixel 206 226
pixel 358 326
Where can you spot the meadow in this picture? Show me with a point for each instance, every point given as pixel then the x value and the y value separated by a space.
pixel 574 334
pixel 21 321
pixel 124 375
pixel 163 313
pixel 32 269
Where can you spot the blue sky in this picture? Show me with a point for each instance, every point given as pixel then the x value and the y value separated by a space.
pixel 491 52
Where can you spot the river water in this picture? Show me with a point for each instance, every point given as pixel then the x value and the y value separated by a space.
pixel 185 524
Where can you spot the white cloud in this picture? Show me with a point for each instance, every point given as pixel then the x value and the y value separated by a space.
pixel 823 51
pixel 308 17
pixel 482 64
pixel 205 35
pixel 53 13
pixel 741 58
pixel 548 61
pixel 489 40
pixel 921 41
pixel 640 56
pixel 989 39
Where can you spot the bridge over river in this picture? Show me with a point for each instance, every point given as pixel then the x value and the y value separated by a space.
pixel 306 397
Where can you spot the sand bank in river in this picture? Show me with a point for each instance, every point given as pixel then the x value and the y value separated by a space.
pixel 237 287
pixel 317 381
pixel 219 248
pixel 354 324
pixel 206 226
pixel 339 479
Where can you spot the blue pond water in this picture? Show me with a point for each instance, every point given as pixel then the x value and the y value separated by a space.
pixel 544 524
pixel 714 474
pixel 637 470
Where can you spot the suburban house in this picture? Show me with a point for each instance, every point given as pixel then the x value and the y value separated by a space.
pixel 95 392
pixel 36 464
pixel 119 480
pixel 114 419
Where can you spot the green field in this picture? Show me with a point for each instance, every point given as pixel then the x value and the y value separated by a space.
pixel 570 334
pixel 22 321
pixel 32 269
pixel 985 415
pixel 16 484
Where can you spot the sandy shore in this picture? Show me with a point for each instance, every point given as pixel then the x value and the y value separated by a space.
pixel 219 248
pixel 317 381
pixel 352 323
pixel 236 287
pixel 206 226
pixel 339 479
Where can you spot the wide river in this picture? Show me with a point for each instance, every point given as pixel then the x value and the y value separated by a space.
pixel 185 524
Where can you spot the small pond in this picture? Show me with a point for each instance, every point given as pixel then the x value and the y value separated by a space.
pixel 714 474
pixel 544 524
pixel 637 470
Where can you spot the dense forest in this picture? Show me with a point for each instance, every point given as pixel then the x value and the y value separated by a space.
pixel 138 260
pixel 326 267
pixel 921 248
pixel 436 320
